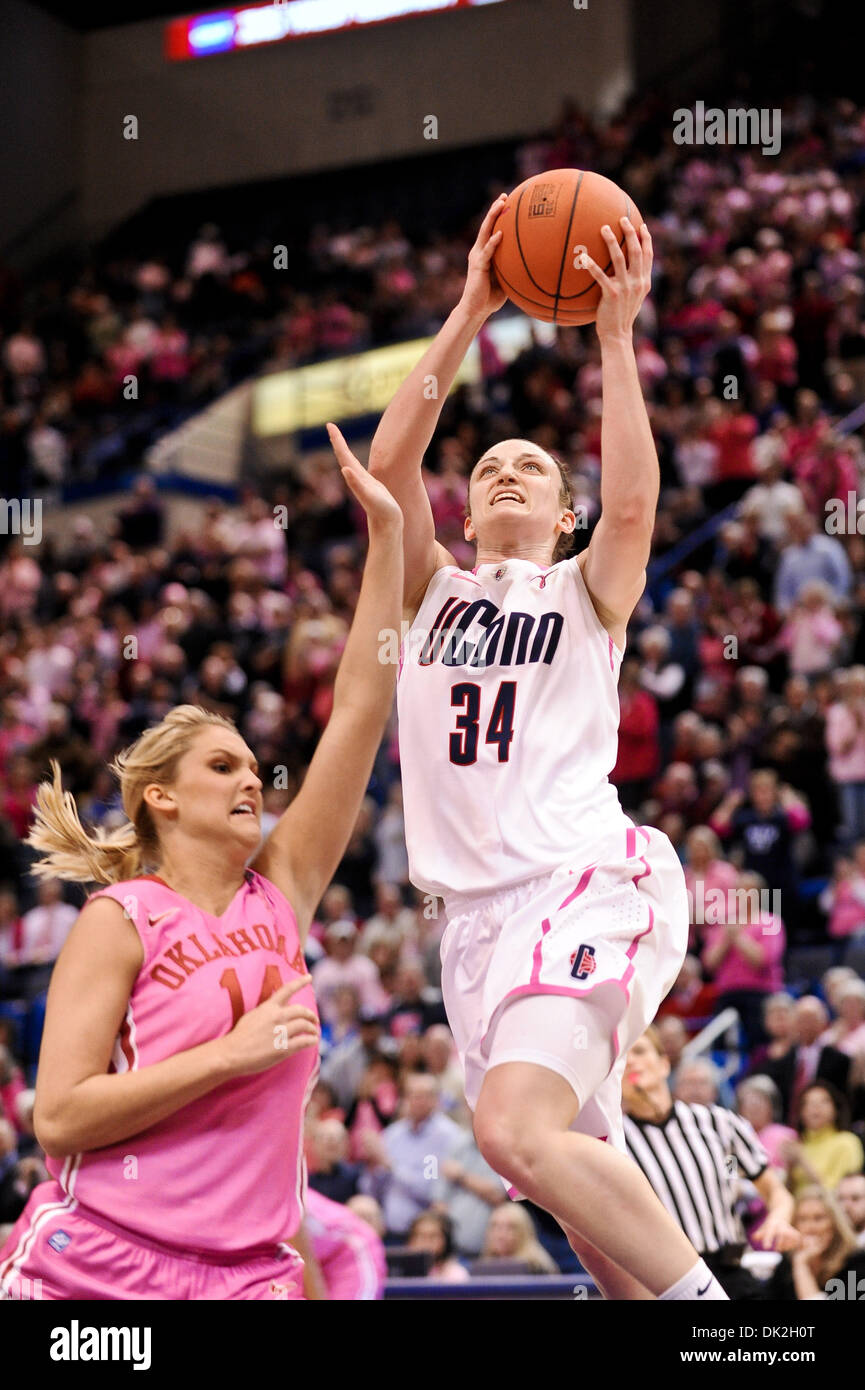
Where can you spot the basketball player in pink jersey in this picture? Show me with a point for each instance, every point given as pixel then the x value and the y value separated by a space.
pixel 566 924
pixel 181 1036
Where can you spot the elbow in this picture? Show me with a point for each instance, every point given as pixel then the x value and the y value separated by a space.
pixel 636 515
pixel 50 1134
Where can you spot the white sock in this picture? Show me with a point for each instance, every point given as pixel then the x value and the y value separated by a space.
pixel 698 1284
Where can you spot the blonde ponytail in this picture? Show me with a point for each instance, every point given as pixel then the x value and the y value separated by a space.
pixel 69 852
pixel 72 854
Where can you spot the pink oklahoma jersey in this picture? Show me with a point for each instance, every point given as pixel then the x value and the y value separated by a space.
pixel 225 1173
pixel 346 1247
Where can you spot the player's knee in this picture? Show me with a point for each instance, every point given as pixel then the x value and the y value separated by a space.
pixel 509 1144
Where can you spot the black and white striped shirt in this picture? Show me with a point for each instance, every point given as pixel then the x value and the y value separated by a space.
pixel 694 1160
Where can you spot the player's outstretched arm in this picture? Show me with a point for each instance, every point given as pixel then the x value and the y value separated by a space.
pixel 614 563
pixel 408 424
pixel 310 838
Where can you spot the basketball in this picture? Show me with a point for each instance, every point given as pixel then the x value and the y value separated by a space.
pixel 547 222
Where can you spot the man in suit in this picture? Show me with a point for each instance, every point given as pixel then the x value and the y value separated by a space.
pixel 807 1060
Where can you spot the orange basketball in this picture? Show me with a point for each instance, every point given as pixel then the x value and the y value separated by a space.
pixel 547 222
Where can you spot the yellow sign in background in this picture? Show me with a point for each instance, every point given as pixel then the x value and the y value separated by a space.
pixel 342 388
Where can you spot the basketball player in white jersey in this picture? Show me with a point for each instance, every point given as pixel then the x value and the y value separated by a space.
pixel 566 924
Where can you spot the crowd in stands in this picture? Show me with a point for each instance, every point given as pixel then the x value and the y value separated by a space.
pixel 742 689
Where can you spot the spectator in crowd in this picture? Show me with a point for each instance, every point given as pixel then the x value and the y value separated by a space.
pixel 432 1232
pixel 675 1143
pixel 806 1059
pixel 709 878
pixel 827 1150
pixel 812 634
pixel 758 1101
pixel 331 1174
pixel 471 1190
pixel 404 1163
pixel 764 826
pixel 744 955
pixel 827 1242
pixel 843 899
pixel 810 555
pixel 510 1240
pixel 639 749
pixel 779 1025
pixel 697 1081
pixel 416 1006
pixel 847 1033
pixel 850 1196
pixel 441 1061
pixel 845 741
pixel 674 1038
pixel 344 966
pixel 346 1063
pixel 690 999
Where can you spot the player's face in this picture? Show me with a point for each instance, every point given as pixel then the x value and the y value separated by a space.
pixel 514 493
pixel 217 790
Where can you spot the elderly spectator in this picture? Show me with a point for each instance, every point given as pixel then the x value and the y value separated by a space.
pixel 758 1101
pixel 331 1173
pixel 674 1038
pixel 847 1033
pixel 697 1081
pixel 806 1059
pixel 779 1026
pixel 404 1163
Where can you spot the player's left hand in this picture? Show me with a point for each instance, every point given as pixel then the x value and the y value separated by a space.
pixel 622 292
pixel 380 506
pixel 775 1233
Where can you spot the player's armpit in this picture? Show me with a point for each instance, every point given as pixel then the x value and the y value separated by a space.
pixel 613 567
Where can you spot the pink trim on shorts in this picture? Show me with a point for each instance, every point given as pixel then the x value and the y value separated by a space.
pixel 174 1252
pixel 41 1214
pixel 535 987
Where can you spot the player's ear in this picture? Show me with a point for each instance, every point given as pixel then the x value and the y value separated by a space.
pixel 159 798
pixel 568 522
pixel 469 529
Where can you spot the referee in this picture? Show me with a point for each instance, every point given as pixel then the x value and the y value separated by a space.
pixel 693 1155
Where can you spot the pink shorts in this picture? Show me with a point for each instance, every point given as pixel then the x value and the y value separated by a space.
pixel 56 1252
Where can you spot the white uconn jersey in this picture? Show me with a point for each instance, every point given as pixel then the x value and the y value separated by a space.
pixel 508 727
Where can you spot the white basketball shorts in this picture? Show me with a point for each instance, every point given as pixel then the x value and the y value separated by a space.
pixel 594 947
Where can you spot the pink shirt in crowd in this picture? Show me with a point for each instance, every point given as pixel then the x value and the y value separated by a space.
pixel 735 972
pixel 846 766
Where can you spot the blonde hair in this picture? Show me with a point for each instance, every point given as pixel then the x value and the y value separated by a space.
pixel 843 1242
pixel 529 1249
pixel 70 852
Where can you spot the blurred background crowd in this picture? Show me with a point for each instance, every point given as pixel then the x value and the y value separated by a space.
pixel 742 690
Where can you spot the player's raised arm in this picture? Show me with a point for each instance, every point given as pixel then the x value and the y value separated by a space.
pixel 408 424
pixel 310 838
pixel 614 565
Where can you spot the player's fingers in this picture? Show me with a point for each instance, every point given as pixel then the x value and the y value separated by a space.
pixel 617 255
pixel 586 263
pixel 343 453
pixel 486 227
pixel 486 253
pixel 648 249
pixel 635 250
pixel 286 991
pixel 297 1013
